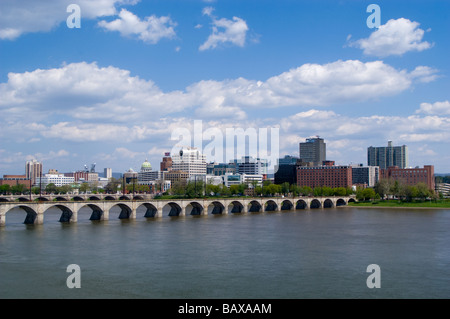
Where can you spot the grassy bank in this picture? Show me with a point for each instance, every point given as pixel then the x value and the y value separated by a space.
pixel 398 203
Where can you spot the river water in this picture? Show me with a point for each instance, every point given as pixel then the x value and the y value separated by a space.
pixel 317 253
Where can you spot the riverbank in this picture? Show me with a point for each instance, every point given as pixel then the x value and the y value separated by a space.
pixel 440 204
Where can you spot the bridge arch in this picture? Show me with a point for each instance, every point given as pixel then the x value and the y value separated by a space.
pixel 77 199
pixel 341 202
pixel 216 208
pixel 125 210
pixel 94 198
pixel 315 203
pixel 270 206
pixel 108 197
pixel 60 198
pixel 235 207
pixel 352 200
pixel 172 209
pixel 66 213
pixel 97 212
pixel 4 200
pixel 328 203
pixel 23 199
pixel 31 214
pixel 123 197
pixel 254 207
pixel 150 209
pixel 194 208
pixel 138 197
pixel 301 204
pixel 287 205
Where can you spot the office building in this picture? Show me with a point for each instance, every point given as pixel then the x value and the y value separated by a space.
pixel 57 179
pixel 166 164
pixel 175 176
pixel 319 176
pixel 313 150
pixel 14 180
pixel 385 157
pixel 189 160
pixel 365 176
pixel 411 176
pixel 251 166
pixel 33 170
pixel 236 179
pixel 107 173
pixel 223 168
pixel 286 171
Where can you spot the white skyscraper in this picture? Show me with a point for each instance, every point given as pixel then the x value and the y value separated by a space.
pixel 189 160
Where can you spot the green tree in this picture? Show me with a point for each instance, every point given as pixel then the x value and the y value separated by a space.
pixel 422 191
pixel 5 189
pixel 113 185
pixel 285 187
pixel 51 188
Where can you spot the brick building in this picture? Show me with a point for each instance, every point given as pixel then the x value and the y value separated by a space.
pixel 319 176
pixel 411 176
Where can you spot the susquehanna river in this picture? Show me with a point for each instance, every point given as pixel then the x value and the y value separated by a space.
pixel 317 253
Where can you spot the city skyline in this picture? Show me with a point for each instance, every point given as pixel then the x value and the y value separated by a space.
pixel 112 91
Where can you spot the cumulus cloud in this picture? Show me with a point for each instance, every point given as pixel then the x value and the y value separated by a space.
pixel 396 37
pixel 224 31
pixel 25 16
pixel 85 91
pixel 150 30
pixel 437 108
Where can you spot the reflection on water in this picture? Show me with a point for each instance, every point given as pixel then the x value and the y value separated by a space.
pixel 320 253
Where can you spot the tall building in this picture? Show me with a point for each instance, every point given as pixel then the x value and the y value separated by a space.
pixel 385 157
pixel 189 160
pixel 313 150
pixel 166 164
pixel 365 175
pixel 107 173
pixel 411 176
pixel 33 170
pixel 319 176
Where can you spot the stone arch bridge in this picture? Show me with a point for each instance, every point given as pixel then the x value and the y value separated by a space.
pixel 101 209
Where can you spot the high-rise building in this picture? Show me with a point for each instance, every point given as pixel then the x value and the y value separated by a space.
pixel 313 150
pixel 385 157
pixel 33 170
pixel 365 175
pixel 166 164
pixel 107 173
pixel 189 160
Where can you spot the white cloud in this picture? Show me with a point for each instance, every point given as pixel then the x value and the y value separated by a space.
pixel 437 108
pixel 85 91
pixel 396 37
pixel 150 30
pixel 224 31
pixel 25 16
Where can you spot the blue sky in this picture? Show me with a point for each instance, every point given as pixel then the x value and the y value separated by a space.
pixel 113 91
